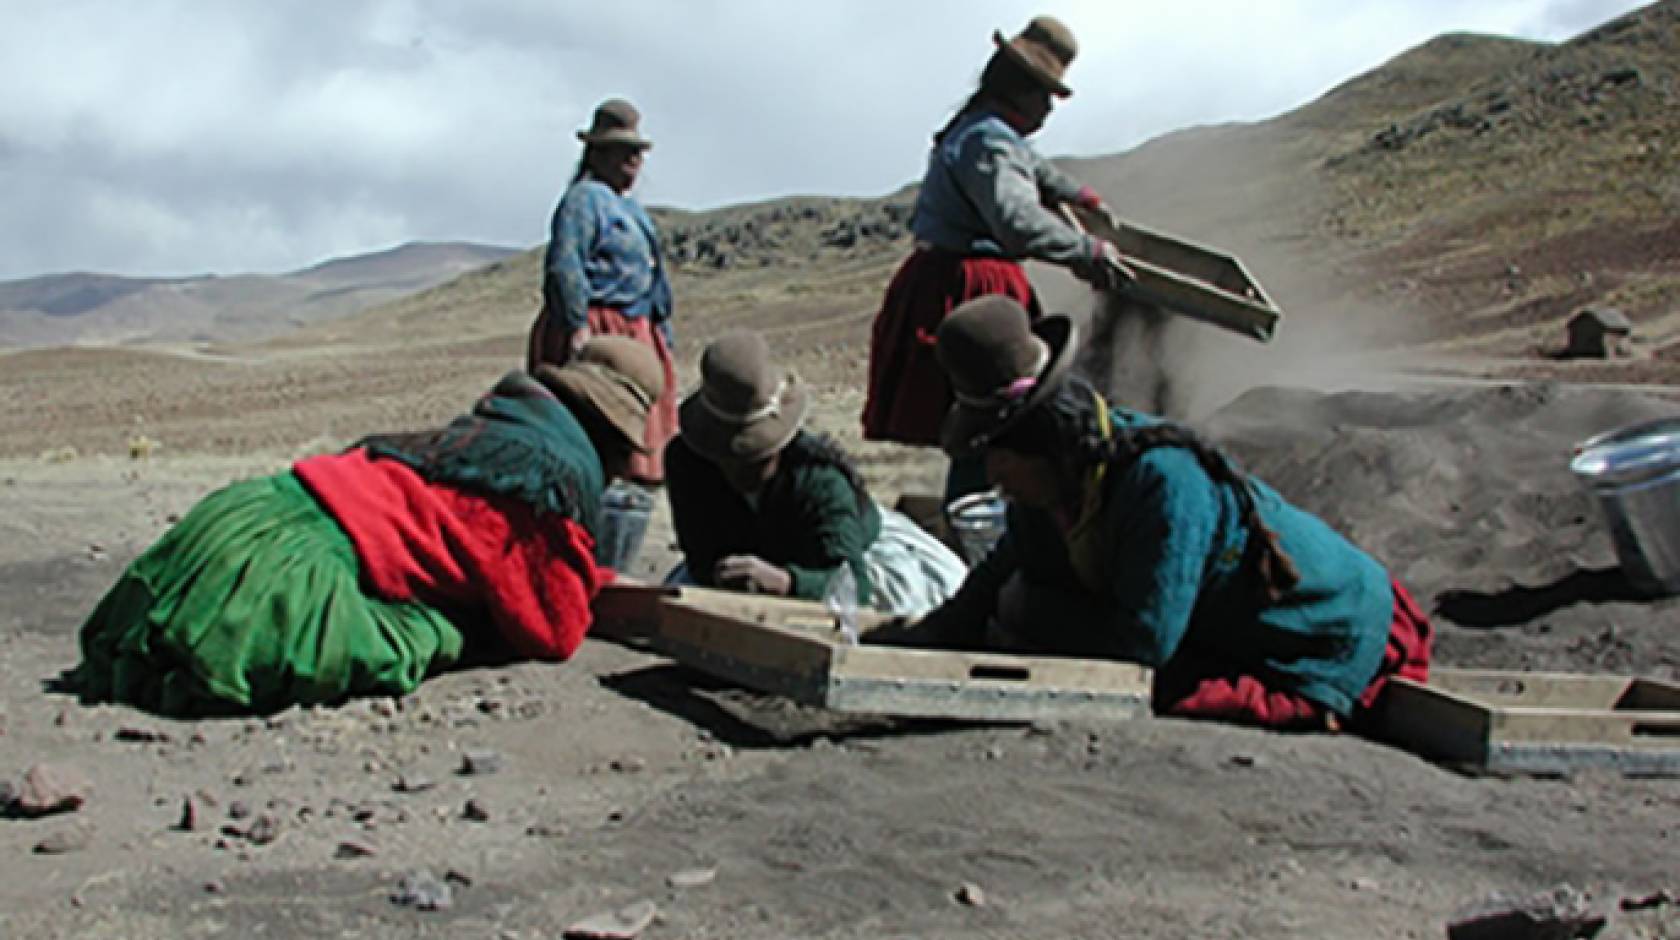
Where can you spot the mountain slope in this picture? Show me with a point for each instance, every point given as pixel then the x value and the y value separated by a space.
pixel 104 309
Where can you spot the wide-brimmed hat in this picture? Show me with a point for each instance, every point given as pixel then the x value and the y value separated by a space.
pixel 1000 367
pixel 1045 49
pixel 746 407
pixel 615 377
pixel 616 122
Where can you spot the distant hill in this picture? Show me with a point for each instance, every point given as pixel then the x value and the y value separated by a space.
pixel 103 309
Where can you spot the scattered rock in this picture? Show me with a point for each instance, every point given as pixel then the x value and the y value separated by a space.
pixel 455 876
pixel 51 788
pixel 73 839
pixel 476 762
pixel 413 784
pixel 970 895
pixel 238 810
pixel 626 923
pixel 264 829
pixel 475 811
pixel 1245 760
pixel 189 821
pixel 627 765
pixel 1562 913
pixel 355 848
pixel 1647 902
pixel 692 878
pixel 423 892
pixel 1363 884
pixel 141 735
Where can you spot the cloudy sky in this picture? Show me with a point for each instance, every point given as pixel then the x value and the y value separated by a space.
pixel 167 138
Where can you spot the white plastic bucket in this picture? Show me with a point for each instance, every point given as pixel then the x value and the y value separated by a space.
pixel 979 520
pixel 1635 473
pixel 625 508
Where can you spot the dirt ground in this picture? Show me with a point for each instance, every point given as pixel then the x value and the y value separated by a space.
pixel 623 775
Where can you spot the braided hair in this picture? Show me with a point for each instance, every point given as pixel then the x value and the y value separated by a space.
pixel 1067 430
pixel 1002 80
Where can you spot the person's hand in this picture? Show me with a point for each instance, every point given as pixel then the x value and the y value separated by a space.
pixel 1107 270
pixel 753 575
pixel 575 340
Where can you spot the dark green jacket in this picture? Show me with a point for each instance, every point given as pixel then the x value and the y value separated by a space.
pixel 809 519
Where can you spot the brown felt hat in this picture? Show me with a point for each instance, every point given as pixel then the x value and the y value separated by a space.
pixel 1045 49
pixel 615 377
pixel 1000 367
pixel 746 407
pixel 616 122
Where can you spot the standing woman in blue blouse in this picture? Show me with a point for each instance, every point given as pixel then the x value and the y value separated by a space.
pixel 603 273
pixel 987 203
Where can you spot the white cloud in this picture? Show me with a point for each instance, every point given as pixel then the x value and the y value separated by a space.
pixel 163 138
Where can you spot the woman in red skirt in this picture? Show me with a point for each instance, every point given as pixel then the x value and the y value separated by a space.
pixel 982 208
pixel 603 274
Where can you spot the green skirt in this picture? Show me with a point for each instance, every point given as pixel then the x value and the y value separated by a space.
pixel 251 603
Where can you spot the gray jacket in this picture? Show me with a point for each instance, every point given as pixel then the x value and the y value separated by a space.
pixel 985 193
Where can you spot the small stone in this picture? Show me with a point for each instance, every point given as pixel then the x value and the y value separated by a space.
pixel 457 877
pixel 215 886
pixel 414 784
pixel 189 820
pixel 51 788
pixel 1363 884
pixel 1563 913
pixel 1245 760
pixel 971 895
pixel 692 878
pixel 264 829
pixel 73 839
pixel 627 765
pixel 626 923
pixel 141 735
pixel 475 811
pixel 1647 902
pixel 238 810
pixel 479 762
pixel 355 848
pixel 423 892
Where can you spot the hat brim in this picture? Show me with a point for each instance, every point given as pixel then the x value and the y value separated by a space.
pixel 612 402
pixel 968 430
pixel 608 138
pixel 1056 85
pixel 717 439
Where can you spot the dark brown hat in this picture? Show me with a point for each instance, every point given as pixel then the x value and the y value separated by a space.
pixel 1045 49
pixel 615 377
pixel 616 122
pixel 746 407
pixel 1000 367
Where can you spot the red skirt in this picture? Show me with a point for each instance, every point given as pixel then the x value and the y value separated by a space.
pixel 1207 690
pixel 548 343
pixel 908 394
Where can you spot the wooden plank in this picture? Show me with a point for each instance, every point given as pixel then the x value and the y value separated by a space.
pixel 791 648
pixel 1510 721
pixel 1188 279
pixel 1435 723
pixel 1498 687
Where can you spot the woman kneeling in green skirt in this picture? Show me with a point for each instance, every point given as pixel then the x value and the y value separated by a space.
pixel 363 572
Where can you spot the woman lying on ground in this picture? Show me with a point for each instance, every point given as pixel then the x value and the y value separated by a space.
pixel 1130 538
pixel 364 572
pixel 760 505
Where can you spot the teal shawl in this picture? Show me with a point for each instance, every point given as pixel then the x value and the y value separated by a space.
pixel 519 441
